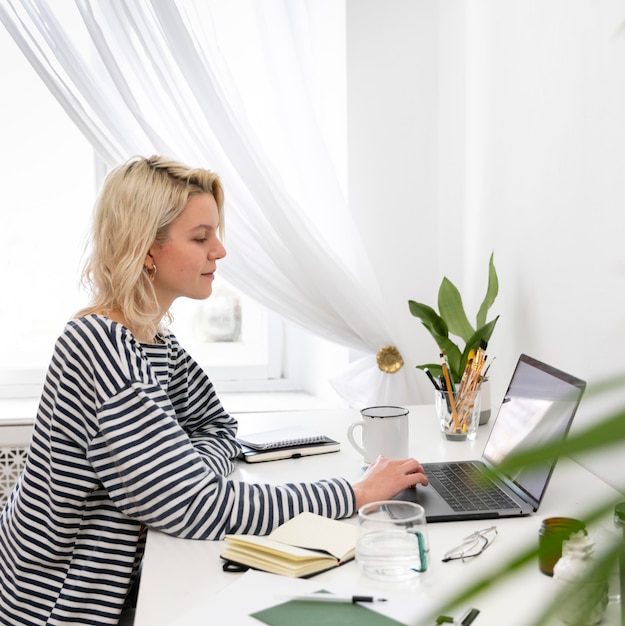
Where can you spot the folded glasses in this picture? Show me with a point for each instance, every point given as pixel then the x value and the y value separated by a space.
pixel 472 546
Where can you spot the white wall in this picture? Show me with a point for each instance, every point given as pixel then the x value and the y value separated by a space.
pixel 496 125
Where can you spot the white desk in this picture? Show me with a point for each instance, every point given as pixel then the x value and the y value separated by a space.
pixel 178 573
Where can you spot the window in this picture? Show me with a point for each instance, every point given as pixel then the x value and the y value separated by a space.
pixel 49 186
pixel 232 336
pixel 49 171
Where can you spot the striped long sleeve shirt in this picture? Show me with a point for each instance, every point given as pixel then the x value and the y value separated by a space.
pixel 127 436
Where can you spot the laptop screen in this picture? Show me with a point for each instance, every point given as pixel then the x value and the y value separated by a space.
pixel 538 407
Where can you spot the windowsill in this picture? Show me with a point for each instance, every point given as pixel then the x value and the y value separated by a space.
pixel 20 410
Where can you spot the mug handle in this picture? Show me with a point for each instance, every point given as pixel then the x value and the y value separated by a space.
pixel 350 435
pixel 423 555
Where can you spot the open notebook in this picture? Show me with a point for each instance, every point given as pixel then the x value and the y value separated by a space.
pixel 538 407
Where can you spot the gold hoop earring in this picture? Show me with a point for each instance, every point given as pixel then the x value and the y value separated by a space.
pixel 150 271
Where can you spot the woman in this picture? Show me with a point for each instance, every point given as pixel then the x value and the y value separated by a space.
pixel 129 433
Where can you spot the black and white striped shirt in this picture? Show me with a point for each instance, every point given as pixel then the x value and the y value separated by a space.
pixel 127 435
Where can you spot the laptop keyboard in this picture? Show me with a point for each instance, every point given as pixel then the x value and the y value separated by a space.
pixel 463 487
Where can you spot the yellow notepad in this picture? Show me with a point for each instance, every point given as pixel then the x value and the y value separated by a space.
pixel 305 545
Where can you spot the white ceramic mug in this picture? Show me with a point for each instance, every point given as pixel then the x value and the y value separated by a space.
pixel 384 430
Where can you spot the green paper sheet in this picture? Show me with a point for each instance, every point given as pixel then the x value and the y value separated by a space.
pixel 314 613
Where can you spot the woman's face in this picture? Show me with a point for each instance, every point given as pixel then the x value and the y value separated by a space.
pixel 187 260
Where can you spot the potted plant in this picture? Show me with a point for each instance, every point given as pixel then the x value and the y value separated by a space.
pixel 451 318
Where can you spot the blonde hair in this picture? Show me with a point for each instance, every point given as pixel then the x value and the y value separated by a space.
pixel 138 202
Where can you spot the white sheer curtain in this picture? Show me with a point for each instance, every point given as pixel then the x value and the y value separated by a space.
pixel 143 77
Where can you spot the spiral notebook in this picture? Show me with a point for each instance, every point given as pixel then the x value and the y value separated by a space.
pixel 284 443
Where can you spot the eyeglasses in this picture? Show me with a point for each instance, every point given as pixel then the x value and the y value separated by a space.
pixel 472 546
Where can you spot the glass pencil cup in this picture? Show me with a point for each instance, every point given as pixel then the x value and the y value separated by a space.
pixel 458 414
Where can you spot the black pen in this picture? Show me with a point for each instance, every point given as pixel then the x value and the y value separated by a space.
pixel 469 617
pixel 429 375
pixel 329 597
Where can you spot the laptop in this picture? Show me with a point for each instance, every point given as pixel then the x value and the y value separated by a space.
pixel 538 407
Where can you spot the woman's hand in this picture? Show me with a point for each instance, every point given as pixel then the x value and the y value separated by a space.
pixel 385 478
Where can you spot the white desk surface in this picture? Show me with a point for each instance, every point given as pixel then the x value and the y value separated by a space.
pixel 184 577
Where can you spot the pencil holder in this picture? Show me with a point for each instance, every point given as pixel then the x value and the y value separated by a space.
pixel 458 414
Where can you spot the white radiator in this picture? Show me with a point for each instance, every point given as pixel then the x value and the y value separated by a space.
pixel 14 440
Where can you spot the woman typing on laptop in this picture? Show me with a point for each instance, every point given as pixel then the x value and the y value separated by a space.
pixel 130 433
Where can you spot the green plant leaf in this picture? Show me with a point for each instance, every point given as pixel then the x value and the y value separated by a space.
pixel 452 351
pixel 435 369
pixel 483 333
pixel 473 343
pixel 454 358
pixel 452 310
pixel 437 327
pixel 452 318
pixel 491 292
pixel 429 317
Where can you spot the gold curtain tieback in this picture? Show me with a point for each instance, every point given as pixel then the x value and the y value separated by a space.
pixel 389 359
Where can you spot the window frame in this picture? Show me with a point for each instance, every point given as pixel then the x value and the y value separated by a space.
pixel 21 382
